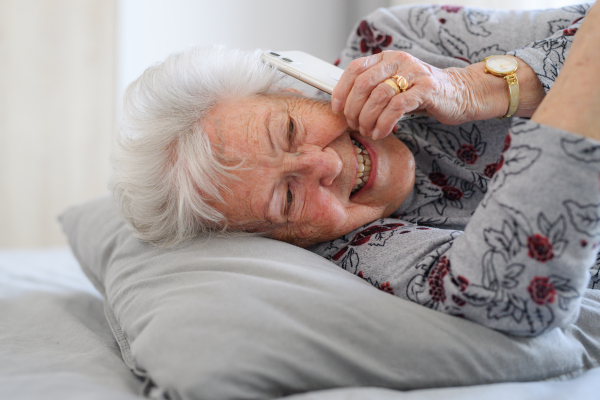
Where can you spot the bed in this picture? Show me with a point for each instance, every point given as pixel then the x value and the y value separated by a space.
pixel 250 318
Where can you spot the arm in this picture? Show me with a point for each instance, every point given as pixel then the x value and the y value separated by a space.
pixel 521 265
pixel 576 92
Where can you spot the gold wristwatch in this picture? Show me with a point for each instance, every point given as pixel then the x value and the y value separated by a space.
pixel 505 67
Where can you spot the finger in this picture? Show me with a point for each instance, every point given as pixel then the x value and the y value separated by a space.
pixel 396 108
pixel 378 100
pixel 363 86
pixel 344 85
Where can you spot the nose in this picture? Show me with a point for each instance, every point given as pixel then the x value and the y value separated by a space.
pixel 322 165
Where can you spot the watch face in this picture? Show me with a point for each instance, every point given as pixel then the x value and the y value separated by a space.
pixel 501 64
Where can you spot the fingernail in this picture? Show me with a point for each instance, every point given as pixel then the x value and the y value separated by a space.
pixel 362 131
pixel 336 105
pixel 375 134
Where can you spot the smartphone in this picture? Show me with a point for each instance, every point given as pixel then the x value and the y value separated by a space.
pixel 313 71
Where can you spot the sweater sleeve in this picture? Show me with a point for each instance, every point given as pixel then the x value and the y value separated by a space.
pixel 546 56
pixel 522 263
pixel 456 36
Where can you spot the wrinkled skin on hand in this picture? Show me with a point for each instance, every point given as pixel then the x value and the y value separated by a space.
pixel 450 95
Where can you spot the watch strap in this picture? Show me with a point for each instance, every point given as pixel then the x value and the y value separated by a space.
pixel 513 93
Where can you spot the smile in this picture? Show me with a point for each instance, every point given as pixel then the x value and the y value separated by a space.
pixel 364 166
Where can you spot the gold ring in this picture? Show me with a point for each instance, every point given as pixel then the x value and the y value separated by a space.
pixel 401 82
pixel 393 84
pixel 398 83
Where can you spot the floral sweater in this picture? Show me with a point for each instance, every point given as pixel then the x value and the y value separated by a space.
pixel 503 224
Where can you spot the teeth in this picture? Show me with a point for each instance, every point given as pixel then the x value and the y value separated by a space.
pixel 364 166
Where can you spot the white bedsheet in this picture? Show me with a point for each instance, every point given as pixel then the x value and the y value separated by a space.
pixel 55 343
pixel 53 270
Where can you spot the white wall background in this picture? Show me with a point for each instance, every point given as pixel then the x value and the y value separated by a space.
pixel 57 92
pixel 65 63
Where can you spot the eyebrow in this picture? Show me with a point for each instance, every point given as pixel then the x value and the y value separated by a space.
pixel 268 205
pixel 267 123
pixel 274 151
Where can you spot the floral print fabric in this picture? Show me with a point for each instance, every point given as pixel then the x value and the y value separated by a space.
pixel 503 225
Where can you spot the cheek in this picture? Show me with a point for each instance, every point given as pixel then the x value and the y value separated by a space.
pixel 324 216
pixel 324 207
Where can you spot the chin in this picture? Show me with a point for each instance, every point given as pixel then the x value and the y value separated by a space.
pixel 395 177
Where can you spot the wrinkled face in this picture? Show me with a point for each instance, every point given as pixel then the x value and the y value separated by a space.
pixel 302 179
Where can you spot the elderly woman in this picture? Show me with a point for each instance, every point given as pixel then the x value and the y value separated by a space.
pixel 213 141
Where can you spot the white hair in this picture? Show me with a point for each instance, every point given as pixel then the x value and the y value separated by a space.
pixel 164 169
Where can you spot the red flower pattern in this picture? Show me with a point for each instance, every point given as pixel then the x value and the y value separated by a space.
pixel 463 59
pixel 386 287
pixel 459 302
pixel 467 154
pixel 507 141
pixel 436 280
pixel 541 290
pixel 461 282
pixel 452 9
pixel 540 248
pixel 371 39
pixel 438 179
pixel 491 169
pixel 452 193
pixel 364 236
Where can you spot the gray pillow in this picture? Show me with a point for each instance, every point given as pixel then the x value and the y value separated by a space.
pixel 250 318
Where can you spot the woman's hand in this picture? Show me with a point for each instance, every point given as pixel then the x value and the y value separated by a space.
pixel 452 95
pixel 373 107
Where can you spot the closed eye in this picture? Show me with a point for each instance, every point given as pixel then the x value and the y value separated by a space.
pixel 291 132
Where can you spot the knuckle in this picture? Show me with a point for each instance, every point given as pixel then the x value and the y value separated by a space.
pixel 427 82
pixel 349 115
pixel 363 83
pixel 366 122
pixel 397 103
pixel 402 57
pixel 355 66
pixel 380 94
pixel 358 65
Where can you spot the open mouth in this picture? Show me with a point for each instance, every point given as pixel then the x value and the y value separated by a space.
pixel 364 166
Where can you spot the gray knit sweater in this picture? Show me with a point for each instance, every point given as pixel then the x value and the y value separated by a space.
pixel 501 229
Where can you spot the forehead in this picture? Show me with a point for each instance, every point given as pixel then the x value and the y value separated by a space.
pixel 239 128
